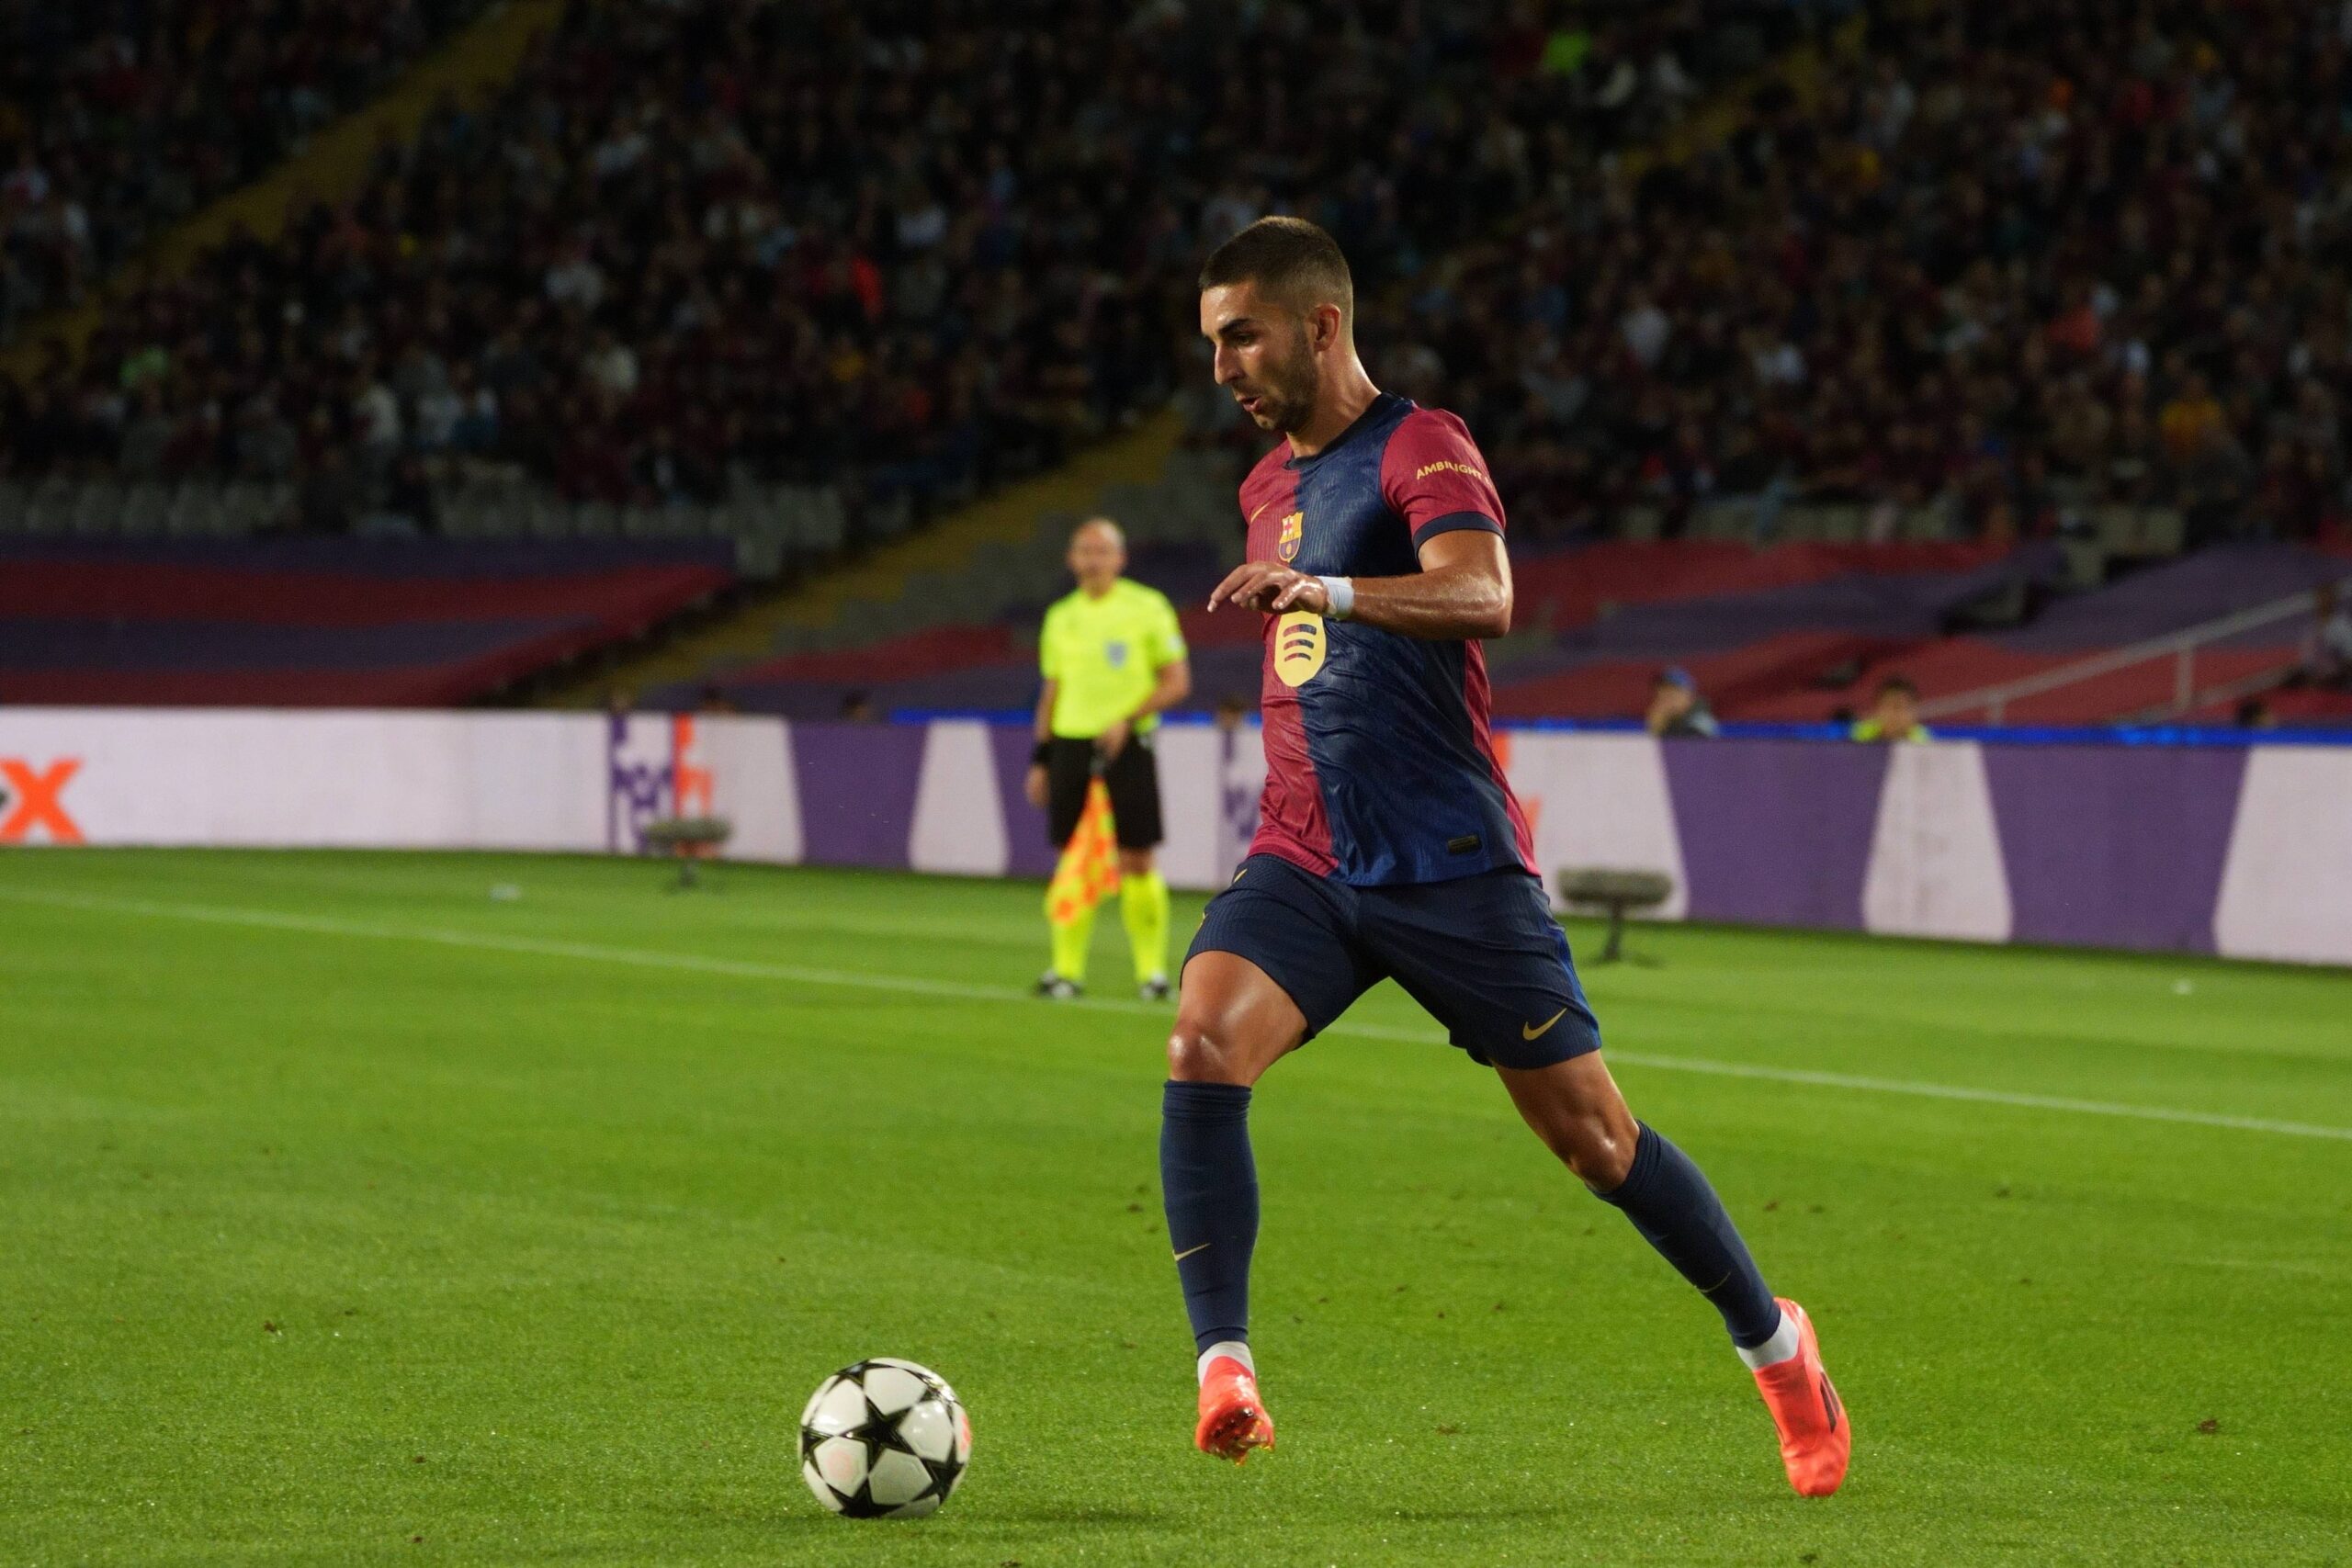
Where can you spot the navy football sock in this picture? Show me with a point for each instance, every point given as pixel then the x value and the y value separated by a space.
pixel 1672 1204
pixel 1209 1183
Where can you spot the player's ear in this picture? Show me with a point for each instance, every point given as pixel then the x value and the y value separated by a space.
pixel 1323 324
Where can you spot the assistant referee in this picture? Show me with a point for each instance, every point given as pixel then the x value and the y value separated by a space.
pixel 1114 659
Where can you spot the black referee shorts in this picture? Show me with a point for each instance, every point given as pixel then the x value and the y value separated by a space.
pixel 1131 777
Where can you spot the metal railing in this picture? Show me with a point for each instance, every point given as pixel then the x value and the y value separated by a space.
pixel 2180 646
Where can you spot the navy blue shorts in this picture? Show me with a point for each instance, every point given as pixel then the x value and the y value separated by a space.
pixel 1482 953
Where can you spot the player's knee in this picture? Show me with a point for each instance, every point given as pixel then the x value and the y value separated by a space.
pixel 1198 1053
pixel 1601 1155
pixel 1596 1143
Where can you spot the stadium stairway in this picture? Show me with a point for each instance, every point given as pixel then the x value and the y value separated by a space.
pixel 481 54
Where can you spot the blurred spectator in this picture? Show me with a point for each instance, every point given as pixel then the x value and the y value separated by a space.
pixel 2331 643
pixel 857 708
pixel 1894 713
pixel 408 500
pixel 1232 712
pixel 1676 708
pixel 327 501
pixel 2254 714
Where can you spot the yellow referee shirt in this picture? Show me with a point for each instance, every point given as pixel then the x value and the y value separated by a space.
pixel 1105 655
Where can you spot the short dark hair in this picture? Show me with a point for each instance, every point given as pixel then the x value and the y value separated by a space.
pixel 1292 259
pixel 1902 683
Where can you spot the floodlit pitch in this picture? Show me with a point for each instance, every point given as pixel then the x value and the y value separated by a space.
pixel 347 1206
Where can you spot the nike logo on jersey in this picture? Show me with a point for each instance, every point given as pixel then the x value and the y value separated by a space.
pixel 1530 1031
pixel 1190 1250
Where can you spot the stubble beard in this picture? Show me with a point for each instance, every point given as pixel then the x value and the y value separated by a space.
pixel 1288 401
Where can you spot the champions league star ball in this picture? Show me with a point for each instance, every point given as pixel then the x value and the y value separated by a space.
pixel 884 1439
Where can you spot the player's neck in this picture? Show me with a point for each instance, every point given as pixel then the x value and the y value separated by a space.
pixel 1342 403
pixel 1097 590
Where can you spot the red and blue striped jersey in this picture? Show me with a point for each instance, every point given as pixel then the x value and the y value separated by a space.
pixel 1380 764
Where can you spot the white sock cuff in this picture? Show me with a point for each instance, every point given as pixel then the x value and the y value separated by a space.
pixel 1233 1347
pixel 1779 1349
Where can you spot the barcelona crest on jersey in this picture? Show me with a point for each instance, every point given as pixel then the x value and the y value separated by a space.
pixel 1293 528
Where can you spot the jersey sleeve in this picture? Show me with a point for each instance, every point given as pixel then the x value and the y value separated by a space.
pixel 1435 479
pixel 1165 645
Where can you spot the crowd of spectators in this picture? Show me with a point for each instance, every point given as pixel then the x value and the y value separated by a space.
pixel 119 117
pixel 916 244
pixel 2015 261
pixel 2020 261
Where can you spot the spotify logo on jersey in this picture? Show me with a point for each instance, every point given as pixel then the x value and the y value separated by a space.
pixel 1298 647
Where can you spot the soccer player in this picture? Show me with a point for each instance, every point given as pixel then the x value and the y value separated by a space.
pixel 1114 659
pixel 1390 845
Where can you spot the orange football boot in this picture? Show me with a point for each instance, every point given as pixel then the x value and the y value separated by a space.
pixel 1233 1417
pixel 1816 1438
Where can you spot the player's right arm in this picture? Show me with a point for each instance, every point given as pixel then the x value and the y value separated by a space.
pixel 1462 591
pixel 1434 480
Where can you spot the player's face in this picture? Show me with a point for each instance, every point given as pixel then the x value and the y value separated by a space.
pixel 1897 712
pixel 1264 356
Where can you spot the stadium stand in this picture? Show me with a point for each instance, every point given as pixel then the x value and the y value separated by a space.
pixel 323 622
pixel 2150 607
pixel 820 262
pixel 2027 268
pixel 1959 336
pixel 1794 633
pixel 1842 358
pixel 122 117
pixel 1596 623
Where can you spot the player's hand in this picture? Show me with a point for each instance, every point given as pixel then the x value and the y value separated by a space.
pixel 1270 589
pixel 1113 740
pixel 1033 786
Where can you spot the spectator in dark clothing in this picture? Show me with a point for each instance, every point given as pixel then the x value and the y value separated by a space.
pixel 1677 711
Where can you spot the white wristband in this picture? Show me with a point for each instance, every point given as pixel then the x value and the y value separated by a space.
pixel 1341 592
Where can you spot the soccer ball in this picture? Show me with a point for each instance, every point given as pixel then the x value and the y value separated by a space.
pixel 884 1439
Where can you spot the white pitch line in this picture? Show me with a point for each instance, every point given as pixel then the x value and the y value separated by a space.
pixel 597 952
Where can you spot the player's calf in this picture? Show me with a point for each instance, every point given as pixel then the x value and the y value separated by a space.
pixel 1575 1107
pixel 1231 1023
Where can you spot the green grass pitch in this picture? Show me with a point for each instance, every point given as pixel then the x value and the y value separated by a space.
pixel 351 1216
